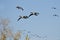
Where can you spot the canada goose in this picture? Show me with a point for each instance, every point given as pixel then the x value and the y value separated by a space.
pixel 34 13
pixel 20 8
pixel 24 17
pixel 56 15
pixel 53 7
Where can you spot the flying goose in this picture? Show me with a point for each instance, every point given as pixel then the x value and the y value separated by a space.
pixel 56 15
pixel 34 13
pixel 22 17
pixel 20 8
pixel 53 7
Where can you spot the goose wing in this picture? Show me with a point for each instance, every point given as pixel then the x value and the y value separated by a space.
pixel 19 18
pixel 20 8
pixel 31 14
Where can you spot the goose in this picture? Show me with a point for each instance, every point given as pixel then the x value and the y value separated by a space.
pixel 22 17
pixel 56 15
pixel 53 7
pixel 20 8
pixel 34 13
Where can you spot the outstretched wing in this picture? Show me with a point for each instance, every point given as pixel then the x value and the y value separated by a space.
pixel 20 8
pixel 18 19
pixel 31 14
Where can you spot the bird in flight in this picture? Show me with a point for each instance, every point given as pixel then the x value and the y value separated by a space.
pixel 56 15
pixel 34 13
pixel 20 8
pixel 25 17
pixel 22 17
pixel 53 7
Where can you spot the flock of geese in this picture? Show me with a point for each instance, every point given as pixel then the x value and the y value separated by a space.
pixel 32 13
pixel 25 17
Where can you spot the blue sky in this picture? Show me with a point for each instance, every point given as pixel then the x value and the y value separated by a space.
pixel 44 24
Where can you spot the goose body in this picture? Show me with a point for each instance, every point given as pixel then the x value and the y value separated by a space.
pixel 22 17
